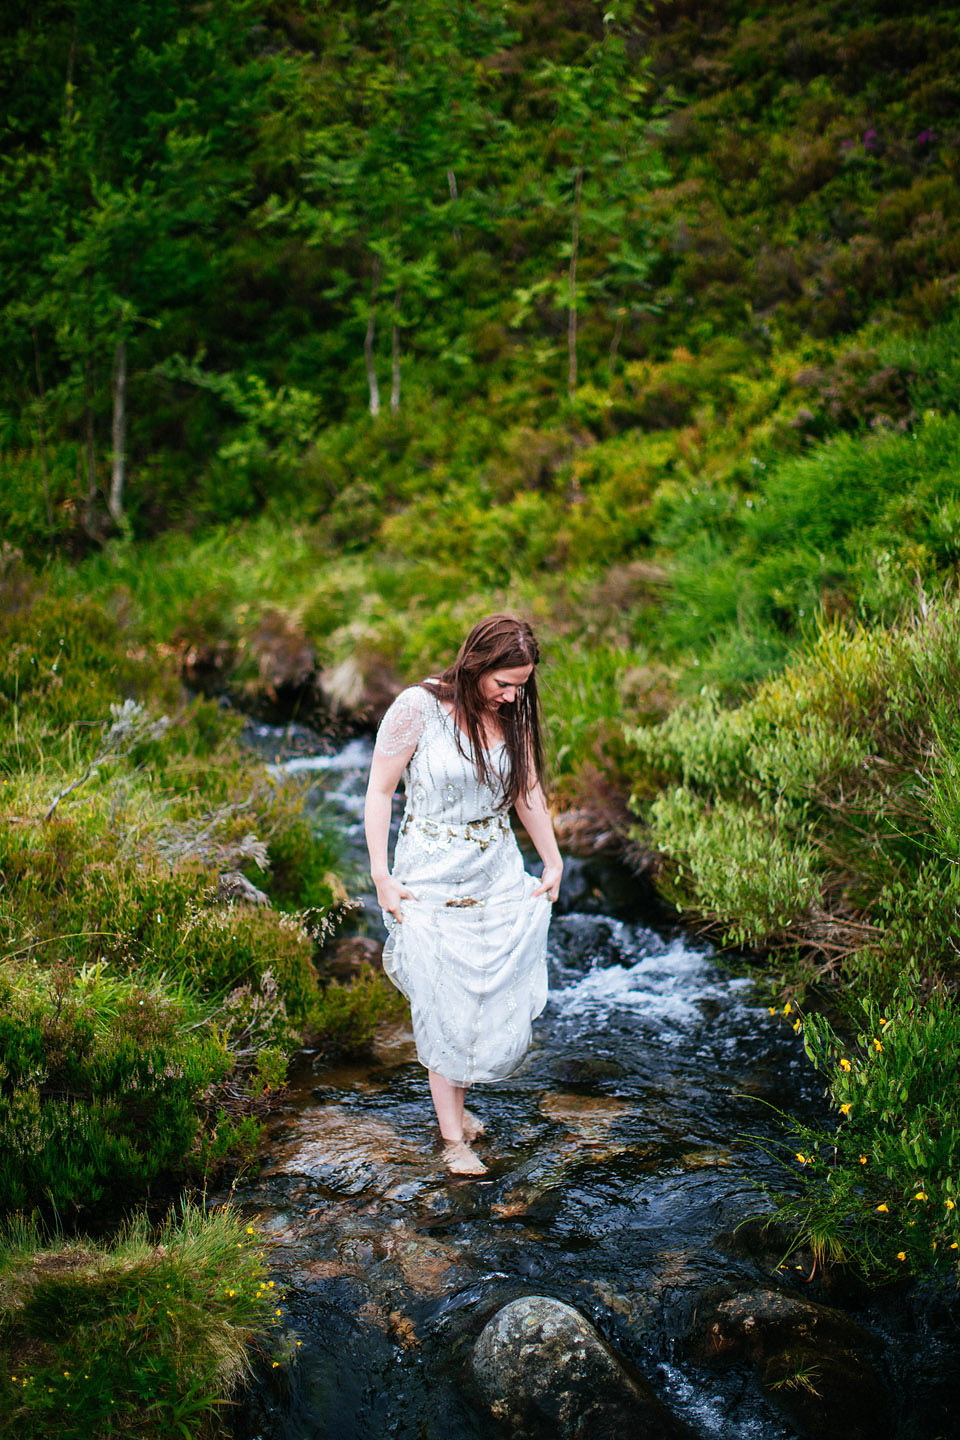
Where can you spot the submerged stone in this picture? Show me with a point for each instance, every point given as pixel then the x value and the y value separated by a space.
pixel 815 1363
pixel 589 1115
pixel 543 1370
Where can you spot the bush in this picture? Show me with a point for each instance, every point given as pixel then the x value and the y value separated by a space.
pixel 880 1190
pixel 821 813
pixel 101 1081
pixel 345 1018
pixel 847 530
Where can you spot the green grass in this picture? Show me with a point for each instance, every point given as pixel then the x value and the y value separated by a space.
pixel 145 1338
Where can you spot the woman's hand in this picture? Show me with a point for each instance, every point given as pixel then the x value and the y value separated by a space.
pixel 550 881
pixel 390 893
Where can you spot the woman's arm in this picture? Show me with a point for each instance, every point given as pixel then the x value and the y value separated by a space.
pixel 535 819
pixel 385 772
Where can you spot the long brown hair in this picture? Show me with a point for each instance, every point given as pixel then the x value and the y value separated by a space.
pixel 498 642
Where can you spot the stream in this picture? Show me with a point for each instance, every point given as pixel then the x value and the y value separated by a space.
pixel 622 1158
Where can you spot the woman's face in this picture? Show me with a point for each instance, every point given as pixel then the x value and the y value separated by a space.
pixel 499 687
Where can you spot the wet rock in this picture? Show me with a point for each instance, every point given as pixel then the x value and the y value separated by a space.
pixel 580 942
pixel 346 956
pixel 589 1116
pixel 602 884
pixel 768 1241
pixel 284 657
pixel 234 885
pixel 543 1370
pixel 394 1045
pixel 346 1151
pixel 585 1070
pixel 815 1363
pixel 426 1266
pixel 587 832
pixel 706 1159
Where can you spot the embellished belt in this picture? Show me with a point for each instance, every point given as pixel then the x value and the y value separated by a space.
pixel 482 833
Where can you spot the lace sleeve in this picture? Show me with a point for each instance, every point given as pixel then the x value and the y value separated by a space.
pixel 402 726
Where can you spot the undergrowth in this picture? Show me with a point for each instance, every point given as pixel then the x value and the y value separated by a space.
pixel 147 1337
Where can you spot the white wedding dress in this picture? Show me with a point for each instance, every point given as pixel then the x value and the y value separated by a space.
pixel 470 953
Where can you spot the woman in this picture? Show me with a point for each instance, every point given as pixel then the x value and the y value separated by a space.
pixel 467 926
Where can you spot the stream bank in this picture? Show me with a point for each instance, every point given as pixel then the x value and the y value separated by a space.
pixel 624 1160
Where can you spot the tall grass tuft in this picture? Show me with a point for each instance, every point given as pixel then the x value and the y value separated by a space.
pixel 145 1339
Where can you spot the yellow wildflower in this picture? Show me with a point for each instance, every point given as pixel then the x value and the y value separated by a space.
pixel 950 1205
pixel 920 1195
pixel 772 1009
pixel 876 1045
pixel 796 1024
pixel 845 1109
pixel 954 1245
pixel 862 1159
pixel 275 1364
pixel 845 1064
pixel 901 1254
pixel 883 1209
pixel 788 1008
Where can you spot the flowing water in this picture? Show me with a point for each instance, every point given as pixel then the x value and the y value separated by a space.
pixel 621 1159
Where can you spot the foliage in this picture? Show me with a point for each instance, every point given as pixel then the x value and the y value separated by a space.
pixel 101 1083
pixel 148 1012
pixel 880 1190
pixel 147 1337
pixel 667 302
pixel 820 813
pixel 344 1018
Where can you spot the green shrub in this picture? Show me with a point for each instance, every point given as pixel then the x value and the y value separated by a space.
pixel 738 864
pixel 847 530
pixel 75 893
pixel 100 1084
pixel 63 663
pixel 345 1018
pixel 823 811
pixel 881 1189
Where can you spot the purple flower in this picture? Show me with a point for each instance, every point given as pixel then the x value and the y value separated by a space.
pixel 871 140
pixel 925 137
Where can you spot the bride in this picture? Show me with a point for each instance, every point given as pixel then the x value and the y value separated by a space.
pixel 467 926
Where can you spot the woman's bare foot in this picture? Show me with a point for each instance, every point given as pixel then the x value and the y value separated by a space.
pixel 460 1159
pixel 473 1126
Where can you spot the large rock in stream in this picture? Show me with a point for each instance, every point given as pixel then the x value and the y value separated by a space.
pixel 815 1363
pixel 545 1372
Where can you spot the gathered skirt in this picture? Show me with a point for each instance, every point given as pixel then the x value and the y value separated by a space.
pixel 470 952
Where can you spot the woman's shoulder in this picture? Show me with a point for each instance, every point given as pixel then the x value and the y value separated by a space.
pixel 418 697
pixel 406 719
